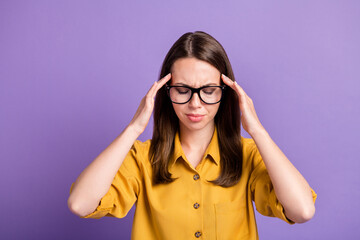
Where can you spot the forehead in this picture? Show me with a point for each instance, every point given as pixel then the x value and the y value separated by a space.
pixel 194 72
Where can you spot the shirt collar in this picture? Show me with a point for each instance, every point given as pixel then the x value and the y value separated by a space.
pixel 212 150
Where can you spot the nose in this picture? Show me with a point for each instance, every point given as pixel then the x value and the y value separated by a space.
pixel 195 101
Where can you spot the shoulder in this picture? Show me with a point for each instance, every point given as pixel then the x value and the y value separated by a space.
pixel 141 147
pixel 251 154
pixel 248 144
pixel 137 158
pixel 140 152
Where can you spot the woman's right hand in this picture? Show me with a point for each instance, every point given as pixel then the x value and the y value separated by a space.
pixel 145 109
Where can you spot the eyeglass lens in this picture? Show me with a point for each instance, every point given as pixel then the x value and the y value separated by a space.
pixel 207 94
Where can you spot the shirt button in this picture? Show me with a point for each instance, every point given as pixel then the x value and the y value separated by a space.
pixel 198 234
pixel 196 177
pixel 196 205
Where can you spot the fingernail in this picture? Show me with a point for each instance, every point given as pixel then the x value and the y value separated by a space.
pixel 225 77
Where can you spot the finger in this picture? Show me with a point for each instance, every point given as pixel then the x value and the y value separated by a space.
pixel 233 85
pixel 238 89
pixel 160 84
pixel 164 80
pixel 152 89
pixel 156 83
pixel 227 80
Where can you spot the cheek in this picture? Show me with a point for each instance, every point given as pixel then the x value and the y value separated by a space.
pixel 177 109
pixel 214 109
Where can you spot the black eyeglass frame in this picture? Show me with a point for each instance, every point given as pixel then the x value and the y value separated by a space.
pixel 195 90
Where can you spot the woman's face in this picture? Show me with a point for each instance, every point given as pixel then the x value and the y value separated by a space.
pixel 195 114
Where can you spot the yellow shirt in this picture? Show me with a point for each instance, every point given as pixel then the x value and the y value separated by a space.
pixel 190 207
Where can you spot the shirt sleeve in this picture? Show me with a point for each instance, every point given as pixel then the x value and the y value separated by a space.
pixel 123 191
pixel 263 192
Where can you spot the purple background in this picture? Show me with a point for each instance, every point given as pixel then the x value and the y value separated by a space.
pixel 72 74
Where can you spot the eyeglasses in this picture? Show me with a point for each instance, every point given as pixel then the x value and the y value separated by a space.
pixel 207 94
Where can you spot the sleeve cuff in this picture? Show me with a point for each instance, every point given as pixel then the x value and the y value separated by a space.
pixel 314 195
pixel 104 207
pixel 281 211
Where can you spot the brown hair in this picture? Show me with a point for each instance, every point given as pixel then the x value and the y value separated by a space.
pixel 202 46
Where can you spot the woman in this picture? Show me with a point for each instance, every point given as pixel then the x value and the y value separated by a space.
pixel 197 177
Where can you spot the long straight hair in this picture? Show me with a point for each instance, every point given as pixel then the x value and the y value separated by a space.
pixel 201 46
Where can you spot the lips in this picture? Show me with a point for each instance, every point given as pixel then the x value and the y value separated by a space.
pixel 195 117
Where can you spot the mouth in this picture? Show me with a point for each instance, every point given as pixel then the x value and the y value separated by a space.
pixel 195 117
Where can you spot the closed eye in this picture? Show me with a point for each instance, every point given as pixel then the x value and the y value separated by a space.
pixel 182 90
pixel 209 90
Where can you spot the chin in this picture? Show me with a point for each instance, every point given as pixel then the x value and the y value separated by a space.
pixel 195 126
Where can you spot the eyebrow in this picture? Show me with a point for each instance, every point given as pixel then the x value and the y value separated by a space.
pixel 185 85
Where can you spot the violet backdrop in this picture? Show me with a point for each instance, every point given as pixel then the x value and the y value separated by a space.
pixel 72 74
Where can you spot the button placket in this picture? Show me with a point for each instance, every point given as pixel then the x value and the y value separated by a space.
pixel 197 199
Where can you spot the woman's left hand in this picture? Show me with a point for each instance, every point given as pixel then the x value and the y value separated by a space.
pixel 249 119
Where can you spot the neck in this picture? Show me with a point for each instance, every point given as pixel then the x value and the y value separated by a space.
pixel 196 139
